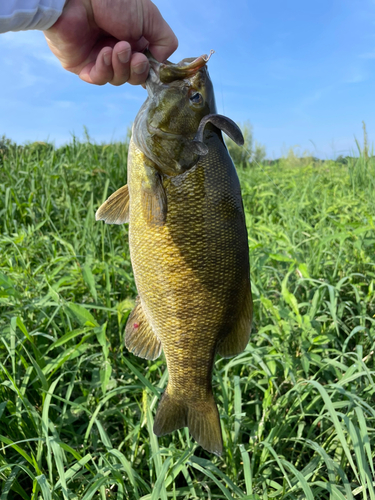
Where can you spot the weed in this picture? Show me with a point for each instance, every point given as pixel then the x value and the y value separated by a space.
pixel 76 409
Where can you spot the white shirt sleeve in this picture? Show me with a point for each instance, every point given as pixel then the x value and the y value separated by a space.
pixel 20 15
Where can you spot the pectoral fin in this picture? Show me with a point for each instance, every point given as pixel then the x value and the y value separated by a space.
pixel 154 198
pixel 115 210
pixel 237 339
pixel 140 339
pixel 223 123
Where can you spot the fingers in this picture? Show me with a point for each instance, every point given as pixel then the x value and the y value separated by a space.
pixel 121 58
pixel 116 66
pixel 127 66
pixel 139 69
pixel 99 71
pixel 86 39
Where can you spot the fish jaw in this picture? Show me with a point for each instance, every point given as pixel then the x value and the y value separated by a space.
pixel 186 68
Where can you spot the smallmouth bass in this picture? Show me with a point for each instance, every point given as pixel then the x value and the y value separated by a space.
pixel 188 243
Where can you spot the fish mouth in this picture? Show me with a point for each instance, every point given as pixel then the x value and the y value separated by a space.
pixel 185 69
pixel 164 73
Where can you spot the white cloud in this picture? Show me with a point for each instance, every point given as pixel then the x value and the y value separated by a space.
pixel 22 39
pixel 283 68
pixel 356 77
pixel 27 77
pixel 129 96
pixel 64 104
pixel 28 44
pixel 368 55
pixel 49 58
pixel 311 99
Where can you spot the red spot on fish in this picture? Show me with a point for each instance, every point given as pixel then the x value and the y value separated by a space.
pixel 136 325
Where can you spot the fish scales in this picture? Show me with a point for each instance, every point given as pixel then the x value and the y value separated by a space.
pixel 192 273
pixel 191 268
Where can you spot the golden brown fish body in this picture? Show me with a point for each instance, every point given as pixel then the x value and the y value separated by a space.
pixel 189 251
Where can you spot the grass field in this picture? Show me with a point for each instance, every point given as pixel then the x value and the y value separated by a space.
pixel 76 409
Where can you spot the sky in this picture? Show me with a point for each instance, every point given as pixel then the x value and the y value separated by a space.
pixel 302 73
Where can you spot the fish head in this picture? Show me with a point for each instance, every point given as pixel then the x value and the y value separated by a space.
pixel 179 97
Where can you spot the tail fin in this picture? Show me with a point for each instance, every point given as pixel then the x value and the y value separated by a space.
pixel 202 419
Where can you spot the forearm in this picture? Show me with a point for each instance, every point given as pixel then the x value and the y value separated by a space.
pixel 19 15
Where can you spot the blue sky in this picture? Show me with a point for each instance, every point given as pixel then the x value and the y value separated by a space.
pixel 302 72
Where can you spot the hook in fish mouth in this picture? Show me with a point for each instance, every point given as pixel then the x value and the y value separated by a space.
pixel 185 69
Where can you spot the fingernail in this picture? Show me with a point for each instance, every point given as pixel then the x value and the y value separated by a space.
pixel 124 56
pixel 140 68
pixel 107 56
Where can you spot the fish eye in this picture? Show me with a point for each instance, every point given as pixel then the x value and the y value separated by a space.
pixel 196 98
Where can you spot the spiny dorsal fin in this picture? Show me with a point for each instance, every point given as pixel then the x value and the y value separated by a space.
pixel 237 339
pixel 140 339
pixel 115 210
pixel 154 199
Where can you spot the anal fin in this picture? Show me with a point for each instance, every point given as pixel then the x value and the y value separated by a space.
pixel 115 210
pixel 237 339
pixel 140 339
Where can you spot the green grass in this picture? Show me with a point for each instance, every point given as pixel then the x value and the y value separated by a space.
pixel 76 409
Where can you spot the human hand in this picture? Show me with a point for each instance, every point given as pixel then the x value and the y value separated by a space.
pixel 102 40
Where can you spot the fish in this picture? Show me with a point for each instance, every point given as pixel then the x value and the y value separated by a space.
pixel 188 243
